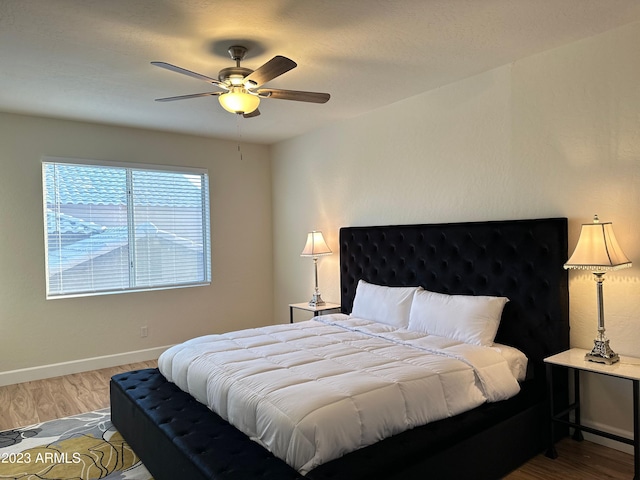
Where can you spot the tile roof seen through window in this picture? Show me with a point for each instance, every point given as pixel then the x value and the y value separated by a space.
pixel 85 185
pixel 63 223
pixel 67 257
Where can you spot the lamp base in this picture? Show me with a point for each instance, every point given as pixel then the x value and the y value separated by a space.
pixel 316 301
pixel 602 353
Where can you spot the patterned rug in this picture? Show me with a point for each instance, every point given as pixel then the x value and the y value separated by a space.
pixel 82 447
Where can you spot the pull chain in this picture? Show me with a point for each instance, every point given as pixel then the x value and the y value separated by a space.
pixel 238 116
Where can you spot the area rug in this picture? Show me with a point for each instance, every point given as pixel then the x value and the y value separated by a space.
pixel 82 447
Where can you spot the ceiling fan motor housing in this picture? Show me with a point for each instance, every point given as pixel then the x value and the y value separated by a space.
pixel 233 75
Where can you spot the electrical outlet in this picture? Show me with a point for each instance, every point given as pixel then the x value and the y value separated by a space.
pixel 144 331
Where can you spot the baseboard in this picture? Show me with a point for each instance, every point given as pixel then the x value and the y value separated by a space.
pixel 606 442
pixel 76 366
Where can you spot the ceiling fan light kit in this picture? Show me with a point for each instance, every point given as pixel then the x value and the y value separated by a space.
pixel 239 101
pixel 240 90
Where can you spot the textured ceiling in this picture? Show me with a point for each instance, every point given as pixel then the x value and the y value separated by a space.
pixel 89 59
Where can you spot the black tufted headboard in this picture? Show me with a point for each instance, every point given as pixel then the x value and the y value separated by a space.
pixel 518 259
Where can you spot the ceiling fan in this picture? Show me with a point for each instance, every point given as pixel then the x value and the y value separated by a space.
pixel 240 90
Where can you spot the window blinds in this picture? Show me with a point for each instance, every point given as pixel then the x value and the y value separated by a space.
pixel 117 228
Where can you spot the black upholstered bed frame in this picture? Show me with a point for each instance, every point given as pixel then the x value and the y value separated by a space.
pixel 176 437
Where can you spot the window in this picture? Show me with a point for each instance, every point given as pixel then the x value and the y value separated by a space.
pixel 112 228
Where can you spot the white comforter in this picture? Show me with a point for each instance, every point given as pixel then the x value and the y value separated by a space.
pixel 313 391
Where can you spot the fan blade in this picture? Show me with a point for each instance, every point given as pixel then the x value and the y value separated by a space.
pixel 313 97
pixel 255 113
pixel 189 73
pixel 270 70
pixel 184 97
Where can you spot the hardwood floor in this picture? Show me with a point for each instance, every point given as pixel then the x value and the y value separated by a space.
pixel 32 402
pixel 577 461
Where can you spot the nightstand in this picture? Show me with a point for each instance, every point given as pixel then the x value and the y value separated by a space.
pixel 321 309
pixel 627 368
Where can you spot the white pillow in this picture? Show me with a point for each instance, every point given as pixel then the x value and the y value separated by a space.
pixel 466 318
pixel 390 305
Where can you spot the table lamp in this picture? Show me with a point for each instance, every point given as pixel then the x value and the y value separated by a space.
pixel 315 247
pixel 598 250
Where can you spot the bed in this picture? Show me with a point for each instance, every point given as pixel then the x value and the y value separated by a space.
pixel 178 437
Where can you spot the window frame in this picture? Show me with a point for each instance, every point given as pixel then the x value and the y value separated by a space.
pixel 129 167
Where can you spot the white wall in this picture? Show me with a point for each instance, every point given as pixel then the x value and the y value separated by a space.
pixel 36 333
pixel 556 134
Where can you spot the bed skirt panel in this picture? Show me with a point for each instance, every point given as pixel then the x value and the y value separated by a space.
pixel 181 438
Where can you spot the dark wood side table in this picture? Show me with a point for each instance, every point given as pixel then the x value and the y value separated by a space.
pixel 321 309
pixel 627 368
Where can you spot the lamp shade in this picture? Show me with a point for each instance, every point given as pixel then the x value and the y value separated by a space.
pixel 315 246
pixel 597 249
pixel 239 101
